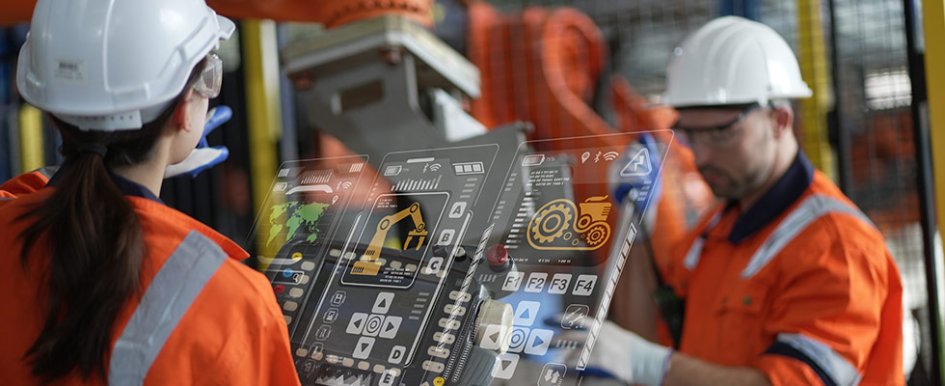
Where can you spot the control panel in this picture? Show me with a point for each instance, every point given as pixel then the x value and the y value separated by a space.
pixel 304 210
pixel 470 265
pixel 569 241
pixel 380 291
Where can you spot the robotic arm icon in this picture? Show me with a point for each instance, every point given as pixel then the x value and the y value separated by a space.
pixel 368 263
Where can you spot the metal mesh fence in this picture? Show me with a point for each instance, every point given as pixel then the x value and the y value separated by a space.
pixel 874 98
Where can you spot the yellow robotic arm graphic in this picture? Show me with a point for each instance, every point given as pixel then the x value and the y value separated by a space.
pixel 368 263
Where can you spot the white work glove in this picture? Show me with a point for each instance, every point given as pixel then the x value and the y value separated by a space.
pixel 204 156
pixel 628 357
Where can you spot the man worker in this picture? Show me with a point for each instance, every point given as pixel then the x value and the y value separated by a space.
pixel 786 282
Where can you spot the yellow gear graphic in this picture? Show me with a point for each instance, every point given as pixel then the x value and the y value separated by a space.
pixel 553 221
pixel 558 210
pixel 598 234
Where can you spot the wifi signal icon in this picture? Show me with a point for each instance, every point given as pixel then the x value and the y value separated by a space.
pixel 611 155
pixel 435 167
pixel 346 185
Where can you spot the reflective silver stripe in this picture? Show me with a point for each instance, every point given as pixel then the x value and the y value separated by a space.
pixel 164 303
pixel 695 251
pixel 837 368
pixel 807 212
pixel 48 171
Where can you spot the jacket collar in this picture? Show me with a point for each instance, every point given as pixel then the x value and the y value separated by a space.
pixel 784 193
pixel 128 187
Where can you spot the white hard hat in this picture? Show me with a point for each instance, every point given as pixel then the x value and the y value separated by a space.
pixel 114 64
pixel 731 61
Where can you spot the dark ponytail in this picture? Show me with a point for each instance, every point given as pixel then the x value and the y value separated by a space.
pixel 96 247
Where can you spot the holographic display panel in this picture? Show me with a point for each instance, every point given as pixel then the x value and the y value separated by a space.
pixel 569 238
pixel 306 204
pixel 391 273
pixel 392 299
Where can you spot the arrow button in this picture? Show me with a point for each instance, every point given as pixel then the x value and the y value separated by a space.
pixel 356 324
pixel 363 348
pixel 382 303
pixel 495 338
pixel 505 366
pixel 538 342
pixel 391 326
pixel 526 312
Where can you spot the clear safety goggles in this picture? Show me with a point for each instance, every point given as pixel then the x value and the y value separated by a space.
pixel 719 135
pixel 211 78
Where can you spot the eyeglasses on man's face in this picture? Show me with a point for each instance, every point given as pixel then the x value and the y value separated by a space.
pixel 718 135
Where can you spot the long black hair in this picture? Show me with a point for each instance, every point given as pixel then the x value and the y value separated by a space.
pixel 96 247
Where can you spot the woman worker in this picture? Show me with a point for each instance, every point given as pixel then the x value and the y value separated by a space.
pixel 100 282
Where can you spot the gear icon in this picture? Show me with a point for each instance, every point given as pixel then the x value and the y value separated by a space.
pixel 598 234
pixel 584 222
pixel 551 222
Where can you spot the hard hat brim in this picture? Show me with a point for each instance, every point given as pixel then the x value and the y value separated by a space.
pixel 226 27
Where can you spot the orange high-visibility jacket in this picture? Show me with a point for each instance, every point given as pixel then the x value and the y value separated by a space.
pixel 203 318
pixel 801 287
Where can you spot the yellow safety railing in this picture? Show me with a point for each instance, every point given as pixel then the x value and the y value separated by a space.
pixel 263 112
pixel 812 57
pixel 32 155
pixel 933 16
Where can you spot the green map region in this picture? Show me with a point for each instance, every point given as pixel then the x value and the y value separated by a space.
pixel 293 216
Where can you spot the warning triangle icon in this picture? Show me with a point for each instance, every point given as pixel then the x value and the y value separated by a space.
pixel 639 165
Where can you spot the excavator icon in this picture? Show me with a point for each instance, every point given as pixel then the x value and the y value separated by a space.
pixel 368 264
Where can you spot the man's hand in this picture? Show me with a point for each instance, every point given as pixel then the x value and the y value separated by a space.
pixel 628 357
pixel 204 156
pixel 624 355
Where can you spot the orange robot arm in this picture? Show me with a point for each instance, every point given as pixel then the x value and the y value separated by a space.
pixel 330 13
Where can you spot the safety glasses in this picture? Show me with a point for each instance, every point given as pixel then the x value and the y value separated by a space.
pixel 211 79
pixel 719 135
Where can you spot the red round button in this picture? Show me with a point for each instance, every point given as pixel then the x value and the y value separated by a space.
pixel 279 288
pixel 497 255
